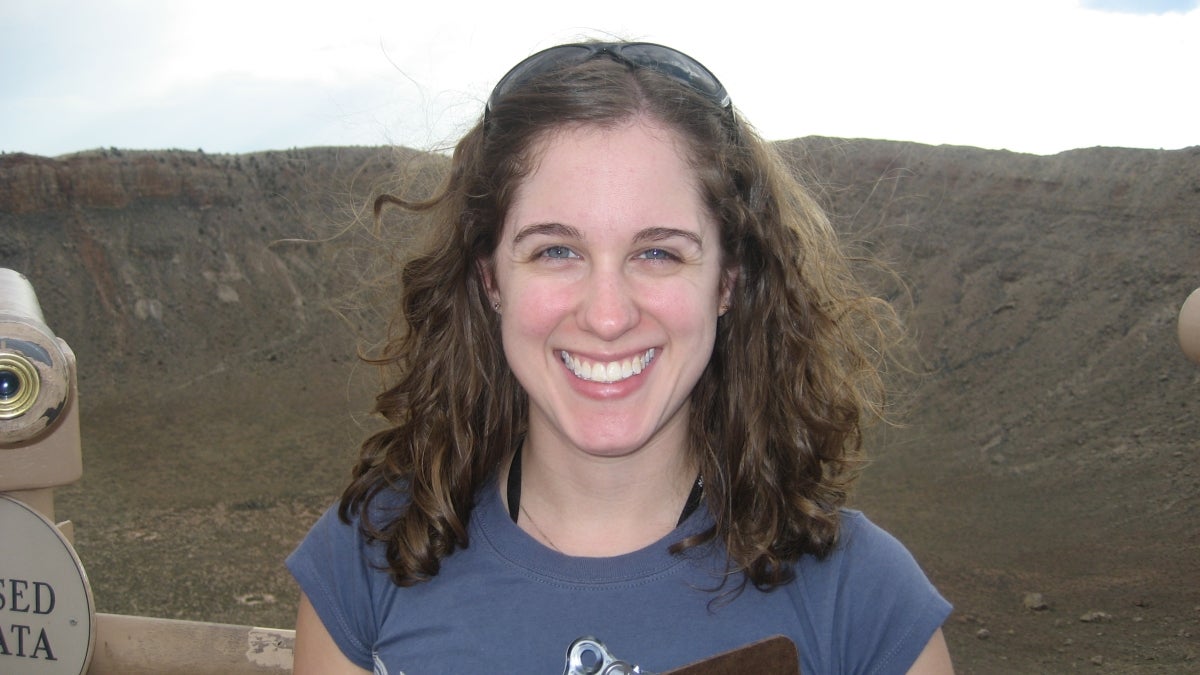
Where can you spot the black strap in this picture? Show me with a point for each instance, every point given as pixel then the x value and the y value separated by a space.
pixel 514 491
pixel 693 500
pixel 514 485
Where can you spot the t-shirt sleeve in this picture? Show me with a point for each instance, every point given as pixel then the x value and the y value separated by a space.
pixel 886 608
pixel 333 570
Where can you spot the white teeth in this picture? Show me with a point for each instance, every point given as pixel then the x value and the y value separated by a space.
pixel 613 371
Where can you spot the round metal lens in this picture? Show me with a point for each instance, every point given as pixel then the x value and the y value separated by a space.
pixel 10 385
pixel 19 385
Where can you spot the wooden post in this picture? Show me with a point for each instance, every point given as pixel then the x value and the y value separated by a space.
pixel 138 645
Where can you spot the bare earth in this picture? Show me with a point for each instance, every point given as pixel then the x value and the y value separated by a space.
pixel 1050 448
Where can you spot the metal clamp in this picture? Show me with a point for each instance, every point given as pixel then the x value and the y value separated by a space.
pixel 589 656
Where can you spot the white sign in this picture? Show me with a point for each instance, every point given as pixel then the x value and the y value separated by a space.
pixel 46 609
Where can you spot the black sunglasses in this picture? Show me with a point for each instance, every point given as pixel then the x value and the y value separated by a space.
pixel 661 59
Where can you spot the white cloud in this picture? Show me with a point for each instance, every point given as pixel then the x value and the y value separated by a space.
pixel 1029 75
pixel 1142 6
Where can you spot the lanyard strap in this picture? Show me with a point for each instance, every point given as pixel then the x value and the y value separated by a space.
pixel 514 491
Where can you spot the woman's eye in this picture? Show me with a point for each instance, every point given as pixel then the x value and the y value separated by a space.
pixel 657 254
pixel 558 252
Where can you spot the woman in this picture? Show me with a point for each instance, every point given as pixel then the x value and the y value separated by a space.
pixel 631 376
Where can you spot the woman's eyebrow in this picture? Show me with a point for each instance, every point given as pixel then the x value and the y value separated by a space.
pixel 661 233
pixel 549 229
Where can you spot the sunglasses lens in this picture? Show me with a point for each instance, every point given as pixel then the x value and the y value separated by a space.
pixel 674 64
pixel 678 66
pixel 541 62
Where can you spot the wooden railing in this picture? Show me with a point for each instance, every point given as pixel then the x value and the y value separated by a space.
pixel 137 645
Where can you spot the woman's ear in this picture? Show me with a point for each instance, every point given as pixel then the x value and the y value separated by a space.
pixel 487 275
pixel 728 283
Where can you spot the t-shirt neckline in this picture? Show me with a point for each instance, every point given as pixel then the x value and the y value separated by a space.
pixel 493 527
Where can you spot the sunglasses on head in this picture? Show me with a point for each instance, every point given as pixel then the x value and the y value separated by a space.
pixel 661 59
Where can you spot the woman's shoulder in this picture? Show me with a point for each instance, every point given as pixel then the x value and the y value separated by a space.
pixel 859 534
pixel 871 589
pixel 343 572
pixel 867 561
pixel 334 540
pixel 864 547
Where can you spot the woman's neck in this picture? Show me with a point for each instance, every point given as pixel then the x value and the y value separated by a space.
pixel 594 506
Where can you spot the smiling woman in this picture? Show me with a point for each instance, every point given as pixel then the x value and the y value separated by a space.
pixel 608 286
pixel 631 372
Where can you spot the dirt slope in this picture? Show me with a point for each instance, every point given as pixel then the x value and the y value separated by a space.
pixel 1053 448
pixel 1050 449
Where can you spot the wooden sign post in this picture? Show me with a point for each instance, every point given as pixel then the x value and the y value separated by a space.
pixel 46 608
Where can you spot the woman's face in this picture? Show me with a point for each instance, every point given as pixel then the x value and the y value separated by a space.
pixel 609 276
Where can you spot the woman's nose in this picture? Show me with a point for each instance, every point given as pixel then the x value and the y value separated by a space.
pixel 608 308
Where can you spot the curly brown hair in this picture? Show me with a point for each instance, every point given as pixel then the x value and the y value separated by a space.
pixel 776 418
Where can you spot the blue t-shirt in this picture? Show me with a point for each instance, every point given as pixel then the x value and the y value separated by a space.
pixel 507 604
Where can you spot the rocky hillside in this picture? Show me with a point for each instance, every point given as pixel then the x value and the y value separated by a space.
pixel 214 304
pixel 177 262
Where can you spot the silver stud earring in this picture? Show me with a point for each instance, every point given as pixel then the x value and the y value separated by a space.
pixel 496 306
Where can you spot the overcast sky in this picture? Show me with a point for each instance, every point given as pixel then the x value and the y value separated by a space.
pixel 1036 76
